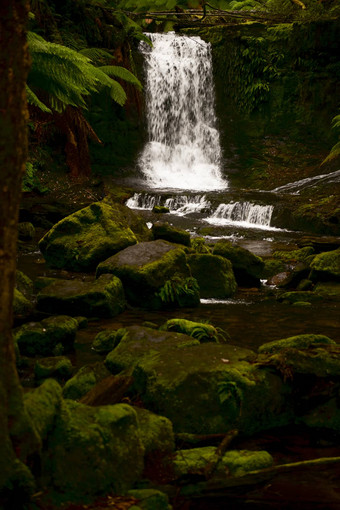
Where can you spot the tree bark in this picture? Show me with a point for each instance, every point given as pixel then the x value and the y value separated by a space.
pixel 14 66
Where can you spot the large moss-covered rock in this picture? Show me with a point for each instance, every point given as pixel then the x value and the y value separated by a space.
pixel 42 338
pixel 103 297
pixel 214 275
pixel 162 230
pixel 26 231
pixel 84 380
pixel 43 405
pixel 150 499
pixel 326 266
pixel 22 307
pixel 105 341
pixel 85 238
pixel 156 432
pixel 145 268
pixel 93 450
pixel 229 392
pixel 232 463
pixel 298 296
pixel 248 268
pixel 298 342
pixel 58 367
pixel 201 331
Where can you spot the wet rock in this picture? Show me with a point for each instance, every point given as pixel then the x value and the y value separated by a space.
pixel 84 380
pixel 42 338
pixel 214 275
pixel 292 277
pixel 26 231
pixel 92 450
pixel 160 209
pixel 150 499
pixel 156 432
pixel 324 416
pixel 320 244
pixel 108 391
pixel 328 289
pixel 300 255
pixel 298 342
pixel 248 268
pixel 233 463
pixel 24 284
pixel 295 296
pixel 22 307
pixel 105 341
pixel 168 369
pixel 169 233
pixel 305 284
pixel 103 297
pixel 57 367
pixel 201 331
pixel 326 266
pixel 85 238
pixel 145 268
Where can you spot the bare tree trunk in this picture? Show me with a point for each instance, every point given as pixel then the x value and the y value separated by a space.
pixel 14 65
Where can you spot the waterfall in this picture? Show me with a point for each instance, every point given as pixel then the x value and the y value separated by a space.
pixel 244 214
pixel 183 151
pixel 179 204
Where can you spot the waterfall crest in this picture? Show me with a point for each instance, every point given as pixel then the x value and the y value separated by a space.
pixel 183 151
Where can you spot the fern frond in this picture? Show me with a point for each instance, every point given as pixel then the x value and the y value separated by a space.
pixel 122 73
pixel 35 101
pixel 117 93
pixel 96 54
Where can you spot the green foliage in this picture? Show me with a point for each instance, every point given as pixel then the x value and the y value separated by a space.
pixel 30 180
pixel 202 331
pixel 175 289
pixel 64 77
pixel 335 150
pixel 198 244
pixel 229 390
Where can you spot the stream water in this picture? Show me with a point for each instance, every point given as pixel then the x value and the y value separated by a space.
pixel 181 165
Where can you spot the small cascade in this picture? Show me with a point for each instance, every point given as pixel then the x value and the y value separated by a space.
pixel 143 201
pixel 183 151
pixel 296 186
pixel 243 214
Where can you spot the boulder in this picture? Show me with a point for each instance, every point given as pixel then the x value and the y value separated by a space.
pixel 43 338
pixel 26 231
pixel 162 230
pixel 248 268
pixel 149 499
pixel 298 342
pixel 105 341
pixel 229 392
pixel 84 380
pixel 293 297
pixel 22 307
pixel 85 238
pixel 103 297
pixel 326 266
pixel 93 450
pixel 145 268
pixel 214 275
pixel 201 331
pixel 156 432
pixel 58 367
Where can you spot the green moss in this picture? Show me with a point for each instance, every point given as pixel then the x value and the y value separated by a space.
pixel 248 268
pixel 24 284
pixel 214 275
pixel 234 462
pixel 103 297
pixel 160 209
pixel 144 269
pixel 150 499
pixel 102 440
pixel 58 367
pixel 21 305
pixel 298 342
pixel 325 416
pixel 84 380
pixel 43 405
pixel 326 265
pixel 26 231
pixel 201 331
pixel 156 432
pixel 42 337
pixel 298 296
pixel 105 341
pixel 170 233
pixel 83 239
pixel 294 255
pixel 327 289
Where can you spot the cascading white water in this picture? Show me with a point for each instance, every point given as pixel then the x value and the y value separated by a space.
pixel 143 201
pixel 183 151
pixel 244 214
pixel 179 204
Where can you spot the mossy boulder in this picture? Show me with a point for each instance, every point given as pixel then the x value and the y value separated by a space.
pixel 43 406
pixel 328 289
pixel 150 499
pixel 105 341
pixel 169 368
pixel 22 307
pixel 84 380
pixel 42 338
pixel 214 275
pixel 293 297
pixel 26 231
pixel 24 284
pixel 298 342
pixel 300 255
pixel 234 462
pixel 85 238
pixel 201 331
pixel 58 367
pixel 162 230
pixel 103 297
pixel 93 450
pixel 325 416
pixel 145 268
pixel 160 209
pixel 248 268
pixel 326 266
pixel 156 432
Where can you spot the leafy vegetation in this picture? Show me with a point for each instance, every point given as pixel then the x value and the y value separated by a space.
pixel 175 289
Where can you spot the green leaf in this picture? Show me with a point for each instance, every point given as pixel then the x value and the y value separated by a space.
pixel 35 101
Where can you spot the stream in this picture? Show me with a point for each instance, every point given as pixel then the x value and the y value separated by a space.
pixel 181 168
